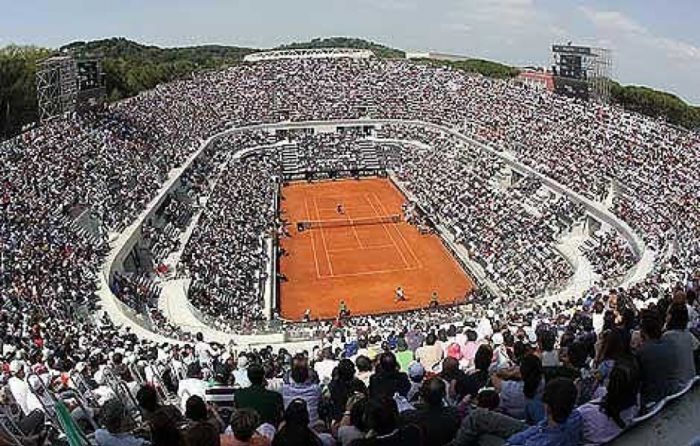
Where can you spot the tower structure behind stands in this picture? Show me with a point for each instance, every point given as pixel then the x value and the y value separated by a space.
pixel 582 72
pixel 67 84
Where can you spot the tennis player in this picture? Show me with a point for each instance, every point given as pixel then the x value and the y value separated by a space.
pixel 400 295
pixel 340 209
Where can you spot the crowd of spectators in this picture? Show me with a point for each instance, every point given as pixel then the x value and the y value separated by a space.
pixel 571 371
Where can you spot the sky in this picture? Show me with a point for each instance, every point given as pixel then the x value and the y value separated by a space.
pixel 654 42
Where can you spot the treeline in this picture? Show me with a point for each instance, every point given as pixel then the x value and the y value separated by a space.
pixel 657 104
pixel 480 66
pixel 130 67
pixel 18 106
pixel 382 51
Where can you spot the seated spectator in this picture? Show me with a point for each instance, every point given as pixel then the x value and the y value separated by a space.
pixel 562 425
pixel 430 354
pixel 657 362
pixel 268 404
pixel 202 429
pixel 681 342
pixel 484 424
pixel 387 379
pixel 404 356
pixel 382 419
pixel 353 426
pixel 343 386
pixel 240 375
pixel 300 387
pixel 364 369
pixel 437 421
pixel 610 347
pixel 295 430
pixel 147 398
pixel 416 373
pixel 605 419
pixel 522 398
pixel 243 425
pixel 471 383
pixel 116 427
pixel 192 385
pixel 324 368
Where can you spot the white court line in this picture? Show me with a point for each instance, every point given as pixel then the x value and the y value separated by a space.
pixel 408 245
pixel 313 245
pixel 368 273
pixel 354 232
pixel 323 240
pixel 331 251
pixel 388 233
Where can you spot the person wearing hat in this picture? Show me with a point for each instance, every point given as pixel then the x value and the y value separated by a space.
pixel 416 373
pixel 18 385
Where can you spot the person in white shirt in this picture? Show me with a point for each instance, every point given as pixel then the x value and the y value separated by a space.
pixel 324 367
pixel 202 350
pixel 18 386
pixel 192 385
pixel 240 375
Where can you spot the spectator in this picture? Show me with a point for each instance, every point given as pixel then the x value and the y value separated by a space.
pixel 116 429
pixel 300 387
pixel 343 386
pixel 563 424
pixel 606 419
pixel 382 418
pixel 387 379
pixel 244 423
pixel 268 404
pixel 430 354
pixel 295 430
pixel 681 342
pixel 202 429
pixel 522 399
pixel 438 422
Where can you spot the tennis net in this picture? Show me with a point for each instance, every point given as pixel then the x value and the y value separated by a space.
pixel 340 222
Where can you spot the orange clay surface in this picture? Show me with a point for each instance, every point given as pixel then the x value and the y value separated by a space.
pixel 363 264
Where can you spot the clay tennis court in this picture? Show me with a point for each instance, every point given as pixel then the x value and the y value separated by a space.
pixel 362 264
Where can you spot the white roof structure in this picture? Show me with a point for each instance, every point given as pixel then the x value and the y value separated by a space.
pixel 310 53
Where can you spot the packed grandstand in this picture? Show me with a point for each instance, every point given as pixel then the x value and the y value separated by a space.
pixel 182 184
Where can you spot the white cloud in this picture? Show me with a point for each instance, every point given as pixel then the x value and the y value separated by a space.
pixel 614 23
